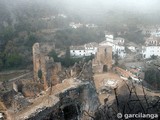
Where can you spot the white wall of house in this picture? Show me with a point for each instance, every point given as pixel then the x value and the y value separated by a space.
pixel 120 50
pixel 91 48
pixel 77 53
pixel 91 51
pixel 109 38
pixel 84 52
pixel 157 34
pixel 148 51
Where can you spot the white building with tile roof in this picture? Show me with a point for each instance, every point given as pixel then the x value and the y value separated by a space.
pixel 151 47
pixel 85 50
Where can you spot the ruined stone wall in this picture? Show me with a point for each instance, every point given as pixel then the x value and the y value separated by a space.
pixel 103 57
pixel 44 65
pixel 82 70
pixel 36 59
pixel 39 64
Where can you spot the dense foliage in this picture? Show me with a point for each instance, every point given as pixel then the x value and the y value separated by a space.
pixel 65 38
pixel 152 76
pixel 68 61
pixel 15 49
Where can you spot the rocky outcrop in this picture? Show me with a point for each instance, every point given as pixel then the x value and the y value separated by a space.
pixel 73 103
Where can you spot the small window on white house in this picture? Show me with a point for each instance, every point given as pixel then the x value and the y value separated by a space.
pixel 80 51
pixel 73 51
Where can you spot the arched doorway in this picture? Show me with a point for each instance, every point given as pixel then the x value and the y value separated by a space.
pixel 105 68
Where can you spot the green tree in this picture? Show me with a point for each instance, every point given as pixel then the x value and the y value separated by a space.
pixel 8 33
pixel 153 57
pixel 40 74
pixel 67 60
pixel 54 55
pixel 67 55
pixel 31 40
pixel 13 60
pixel 152 76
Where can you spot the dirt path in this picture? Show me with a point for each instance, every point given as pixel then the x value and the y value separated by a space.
pixel 19 77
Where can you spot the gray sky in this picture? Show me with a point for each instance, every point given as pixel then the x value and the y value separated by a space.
pixel 101 5
pixel 96 8
pixel 97 5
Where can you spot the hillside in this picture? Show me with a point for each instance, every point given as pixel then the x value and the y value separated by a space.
pixel 24 22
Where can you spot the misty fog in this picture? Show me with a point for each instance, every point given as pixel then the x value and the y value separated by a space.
pixel 88 7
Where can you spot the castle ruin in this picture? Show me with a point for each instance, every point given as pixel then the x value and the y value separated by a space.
pixel 103 59
pixel 44 67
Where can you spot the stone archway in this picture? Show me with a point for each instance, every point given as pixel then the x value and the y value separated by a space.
pixel 105 68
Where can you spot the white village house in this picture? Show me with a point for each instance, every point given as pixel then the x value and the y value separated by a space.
pixel 85 50
pixel 151 47
pixel 117 45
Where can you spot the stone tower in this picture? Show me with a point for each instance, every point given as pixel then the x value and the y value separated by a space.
pixel 44 67
pixel 103 58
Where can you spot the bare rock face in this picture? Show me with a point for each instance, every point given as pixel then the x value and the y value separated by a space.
pixel 73 104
